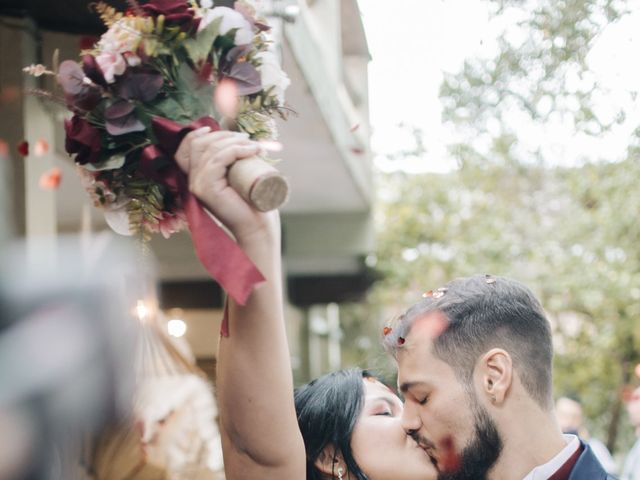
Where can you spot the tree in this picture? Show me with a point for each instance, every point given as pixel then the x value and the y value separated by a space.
pixel 571 233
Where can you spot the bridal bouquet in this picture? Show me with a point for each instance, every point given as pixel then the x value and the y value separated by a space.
pixel 158 69
pixel 163 68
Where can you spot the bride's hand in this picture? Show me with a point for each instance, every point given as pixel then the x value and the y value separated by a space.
pixel 206 157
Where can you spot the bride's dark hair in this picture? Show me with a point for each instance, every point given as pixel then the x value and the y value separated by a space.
pixel 327 410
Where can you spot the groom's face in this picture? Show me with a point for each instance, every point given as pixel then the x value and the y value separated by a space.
pixel 444 416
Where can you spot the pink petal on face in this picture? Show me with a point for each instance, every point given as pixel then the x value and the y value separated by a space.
pixel 50 180
pixel 450 460
pixel 225 98
pixel 40 148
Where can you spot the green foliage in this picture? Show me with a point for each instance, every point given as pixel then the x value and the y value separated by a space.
pixel 199 48
pixel 145 207
pixel 111 163
pixel 571 234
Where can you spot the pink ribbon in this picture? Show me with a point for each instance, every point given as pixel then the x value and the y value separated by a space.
pixel 221 256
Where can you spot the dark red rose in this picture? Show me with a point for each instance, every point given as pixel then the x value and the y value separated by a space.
pixel 92 70
pixel 83 139
pixel 177 13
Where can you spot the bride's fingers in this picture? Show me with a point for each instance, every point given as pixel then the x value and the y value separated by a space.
pixel 182 156
pixel 212 172
pixel 210 150
pixel 200 143
pixel 233 151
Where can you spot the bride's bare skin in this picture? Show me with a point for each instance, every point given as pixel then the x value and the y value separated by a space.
pixel 260 434
pixel 261 437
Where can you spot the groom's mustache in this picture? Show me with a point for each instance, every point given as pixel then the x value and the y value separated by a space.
pixel 422 441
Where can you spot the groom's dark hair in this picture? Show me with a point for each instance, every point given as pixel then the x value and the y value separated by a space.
pixel 485 312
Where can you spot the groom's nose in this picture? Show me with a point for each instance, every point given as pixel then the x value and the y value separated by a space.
pixel 410 419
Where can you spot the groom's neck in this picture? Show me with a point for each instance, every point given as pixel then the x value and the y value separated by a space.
pixel 531 437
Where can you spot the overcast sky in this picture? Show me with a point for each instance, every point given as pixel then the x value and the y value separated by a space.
pixel 426 38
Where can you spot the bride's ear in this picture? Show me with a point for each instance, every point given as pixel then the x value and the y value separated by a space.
pixel 329 461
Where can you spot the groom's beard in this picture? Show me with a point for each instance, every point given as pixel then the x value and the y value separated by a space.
pixel 482 451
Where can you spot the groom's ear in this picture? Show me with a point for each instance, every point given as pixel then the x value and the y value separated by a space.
pixel 496 371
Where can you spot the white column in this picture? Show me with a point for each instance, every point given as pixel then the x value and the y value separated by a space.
pixel 334 334
pixel 40 204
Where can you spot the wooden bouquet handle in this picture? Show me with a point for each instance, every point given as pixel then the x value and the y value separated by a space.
pixel 259 183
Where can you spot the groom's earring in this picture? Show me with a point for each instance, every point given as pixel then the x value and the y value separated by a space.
pixel 339 473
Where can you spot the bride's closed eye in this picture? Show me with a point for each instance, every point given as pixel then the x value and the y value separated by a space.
pixel 384 412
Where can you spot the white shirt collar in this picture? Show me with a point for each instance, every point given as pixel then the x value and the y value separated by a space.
pixel 543 472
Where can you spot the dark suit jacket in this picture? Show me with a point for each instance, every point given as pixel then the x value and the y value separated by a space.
pixel 588 468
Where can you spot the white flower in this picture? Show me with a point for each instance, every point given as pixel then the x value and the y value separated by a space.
pixel 118 220
pixel 231 19
pixel 121 37
pixel 111 64
pixel 272 75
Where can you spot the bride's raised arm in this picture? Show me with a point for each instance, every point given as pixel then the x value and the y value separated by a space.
pixel 259 429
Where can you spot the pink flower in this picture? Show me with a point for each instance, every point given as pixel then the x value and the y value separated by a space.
pixel 111 64
pixel 171 223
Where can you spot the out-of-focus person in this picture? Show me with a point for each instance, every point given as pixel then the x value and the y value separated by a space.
pixel 571 421
pixel 631 469
pixel 66 349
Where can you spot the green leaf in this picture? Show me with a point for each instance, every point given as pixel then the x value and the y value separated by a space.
pixel 112 163
pixel 200 47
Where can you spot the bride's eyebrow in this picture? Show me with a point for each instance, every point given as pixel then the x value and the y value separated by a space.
pixel 385 398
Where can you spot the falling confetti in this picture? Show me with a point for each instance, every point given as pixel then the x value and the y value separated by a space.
pixel 9 94
pixel 427 294
pixel 357 150
pixel 440 292
pixel 386 331
pixel 226 98
pixel 40 148
pixel 354 128
pixel 626 392
pixel 50 180
pixel 23 148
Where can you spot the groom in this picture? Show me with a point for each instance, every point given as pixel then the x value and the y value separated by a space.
pixel 474 361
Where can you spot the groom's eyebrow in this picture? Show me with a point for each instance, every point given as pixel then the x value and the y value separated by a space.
pixel 406 386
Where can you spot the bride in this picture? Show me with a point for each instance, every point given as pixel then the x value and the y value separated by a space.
pixel 345 425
